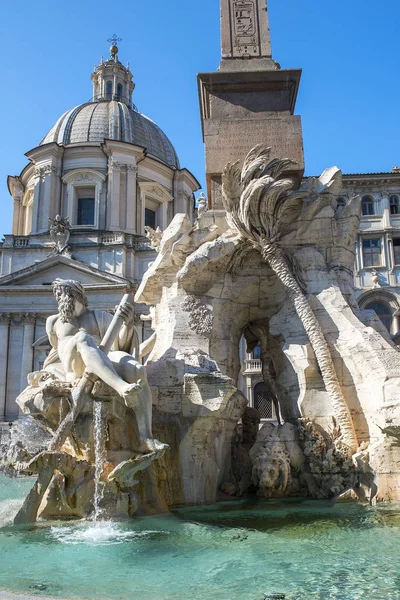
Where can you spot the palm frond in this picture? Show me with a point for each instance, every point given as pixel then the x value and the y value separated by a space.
pixel 254 164
pixel 231 190
pixel 258 199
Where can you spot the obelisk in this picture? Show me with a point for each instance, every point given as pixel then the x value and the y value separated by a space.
pixel 245 35
pixel 250 100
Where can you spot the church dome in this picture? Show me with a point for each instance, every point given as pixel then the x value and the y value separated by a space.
pixel 112 120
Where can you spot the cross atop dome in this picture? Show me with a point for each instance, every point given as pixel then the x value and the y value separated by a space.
pixel 114 48
pixel 114 39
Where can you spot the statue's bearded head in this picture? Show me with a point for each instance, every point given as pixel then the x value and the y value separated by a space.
pixel 67 292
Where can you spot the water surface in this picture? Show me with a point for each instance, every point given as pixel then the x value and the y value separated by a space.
pixel 240 550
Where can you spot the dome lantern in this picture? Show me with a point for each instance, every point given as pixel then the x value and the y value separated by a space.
pixel 111 80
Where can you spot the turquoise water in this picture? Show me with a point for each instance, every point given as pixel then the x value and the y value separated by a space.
pixel 307 550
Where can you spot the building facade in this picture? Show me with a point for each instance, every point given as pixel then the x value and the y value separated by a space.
pixel 81 204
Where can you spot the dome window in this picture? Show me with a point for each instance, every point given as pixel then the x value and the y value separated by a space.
pixel 119 92
pixel 85 214
pixel 150 218
pixel 109 86
pixel 82 197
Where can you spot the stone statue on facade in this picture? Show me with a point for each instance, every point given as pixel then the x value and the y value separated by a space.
pixel 202 205
pixel 60 233
pixel 375 279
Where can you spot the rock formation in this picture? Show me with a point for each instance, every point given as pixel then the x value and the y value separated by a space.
pixel 279 260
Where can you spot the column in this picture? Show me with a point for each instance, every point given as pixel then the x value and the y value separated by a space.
pixel 17 208
pixel 4 335
pixel 46 199
pixel 17 191
pixel 36 202
pixel 27 349
pixel 164 215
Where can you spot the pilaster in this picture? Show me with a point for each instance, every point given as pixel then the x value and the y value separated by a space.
pixel 385 203
pixel 27 349
pixel 114 174
pixel 131 198
pixel 4 340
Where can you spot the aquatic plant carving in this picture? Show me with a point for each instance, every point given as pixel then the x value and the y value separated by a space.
pixel 201 317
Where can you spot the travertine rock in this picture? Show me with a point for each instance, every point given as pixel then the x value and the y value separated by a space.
pixel 210 284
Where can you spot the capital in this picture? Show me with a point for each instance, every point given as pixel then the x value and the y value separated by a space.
pixel 29 318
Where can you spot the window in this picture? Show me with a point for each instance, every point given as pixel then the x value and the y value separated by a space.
pixel 396 250
pixel 368 206
pixel 109 90
pixel 150 218
pixel 371 252
pixel 383 311
pixel 119 91
pixel 85 214
pixel 263 401
pixel 394 205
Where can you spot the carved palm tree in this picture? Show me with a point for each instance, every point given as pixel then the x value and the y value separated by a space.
pixel 259 201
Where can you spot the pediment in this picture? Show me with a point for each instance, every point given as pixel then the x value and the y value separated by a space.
pixel 46 271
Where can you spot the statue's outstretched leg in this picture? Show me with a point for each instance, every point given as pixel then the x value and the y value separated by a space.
pixel 99 364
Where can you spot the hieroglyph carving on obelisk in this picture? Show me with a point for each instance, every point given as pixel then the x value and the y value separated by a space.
pixel 245 29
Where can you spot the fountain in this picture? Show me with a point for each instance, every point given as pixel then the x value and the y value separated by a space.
pixel 274 267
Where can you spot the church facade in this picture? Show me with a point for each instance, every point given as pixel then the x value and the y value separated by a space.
pixel 100 176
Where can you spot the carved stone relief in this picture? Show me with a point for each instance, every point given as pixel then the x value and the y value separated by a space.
pixel 201 317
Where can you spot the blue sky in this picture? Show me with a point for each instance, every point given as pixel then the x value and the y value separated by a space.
pixel 348 50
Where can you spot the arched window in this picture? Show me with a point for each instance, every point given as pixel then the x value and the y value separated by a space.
pixel 262 401
pixel 394 205
pixel 108 90
pixel 368 206
pixel 383 311
pixel 119 91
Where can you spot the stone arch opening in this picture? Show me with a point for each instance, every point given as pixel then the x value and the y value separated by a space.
pixel 386 306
